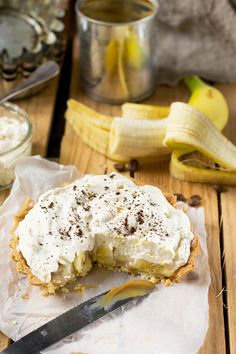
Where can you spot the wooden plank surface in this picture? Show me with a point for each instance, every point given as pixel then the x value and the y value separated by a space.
pixel 228 207
pixel 40 110
pixel 73 151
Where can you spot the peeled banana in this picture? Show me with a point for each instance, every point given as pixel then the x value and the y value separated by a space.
pixel 136 138
pixel 144 111
pixel 152 133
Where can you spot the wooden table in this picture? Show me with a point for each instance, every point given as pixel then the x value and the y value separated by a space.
pixel 219 207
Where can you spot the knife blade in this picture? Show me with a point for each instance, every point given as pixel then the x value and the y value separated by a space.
pixel 69 322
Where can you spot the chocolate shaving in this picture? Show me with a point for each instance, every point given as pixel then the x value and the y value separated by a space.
pixel 132 230
pixel 126 222
pixel 140 217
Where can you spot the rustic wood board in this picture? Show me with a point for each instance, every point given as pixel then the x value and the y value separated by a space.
pixel 74 151
pixel 40 110
pixel 228 208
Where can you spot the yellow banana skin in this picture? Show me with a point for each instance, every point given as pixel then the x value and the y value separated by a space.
pixel 84 113
pixel 195 174
pixel 212 103
pixel 189 128
pixel 208 100
pixel 94 130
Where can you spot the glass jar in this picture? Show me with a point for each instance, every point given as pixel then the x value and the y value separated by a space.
pixel 15 141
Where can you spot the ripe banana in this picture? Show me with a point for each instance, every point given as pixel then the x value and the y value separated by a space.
pixel 138 135
pixel 144 111
pixel 84 113
pixel 208 100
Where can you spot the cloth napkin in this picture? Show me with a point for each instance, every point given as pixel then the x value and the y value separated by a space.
pixel 197 37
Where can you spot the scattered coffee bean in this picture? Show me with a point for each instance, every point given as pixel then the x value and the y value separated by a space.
pixel 219 188
pixel 120 167
pixel 192 276
pixel 180 197
pixel 132 167
pixel 195 201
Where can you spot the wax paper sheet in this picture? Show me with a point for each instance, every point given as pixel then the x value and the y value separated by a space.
pixel 171 320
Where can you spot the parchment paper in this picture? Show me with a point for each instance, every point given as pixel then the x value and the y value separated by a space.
pixel 171 320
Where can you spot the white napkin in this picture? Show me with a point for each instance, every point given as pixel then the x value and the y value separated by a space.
pixel 171 320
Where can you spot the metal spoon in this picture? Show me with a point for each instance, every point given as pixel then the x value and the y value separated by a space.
pixel 42 74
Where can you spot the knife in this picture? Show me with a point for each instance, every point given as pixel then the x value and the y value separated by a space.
pixel 80 317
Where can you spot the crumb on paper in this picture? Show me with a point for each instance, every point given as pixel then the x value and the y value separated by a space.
pixel 44 293
pixel 92 286
pixel 64 290
pixel 167 282
pixel 79 288
pixel 25 296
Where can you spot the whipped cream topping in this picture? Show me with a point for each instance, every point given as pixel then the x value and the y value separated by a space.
pixel 12 132
pixel 136 222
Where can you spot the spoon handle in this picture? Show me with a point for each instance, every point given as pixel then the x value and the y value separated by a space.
pixel 43 73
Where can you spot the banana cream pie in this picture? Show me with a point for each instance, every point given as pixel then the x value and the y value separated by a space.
pixel 106 220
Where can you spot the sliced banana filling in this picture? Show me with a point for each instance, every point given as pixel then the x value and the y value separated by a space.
pixel 107 220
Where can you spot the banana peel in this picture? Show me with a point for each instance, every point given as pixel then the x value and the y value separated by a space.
pixel 212 103
pixel 185 130
pixel 195 174
pixel 208 100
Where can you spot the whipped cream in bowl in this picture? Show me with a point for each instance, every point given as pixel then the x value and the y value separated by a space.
pixel 15 140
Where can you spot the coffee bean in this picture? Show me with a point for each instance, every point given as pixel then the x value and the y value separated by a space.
pixel 195 201
pixel 132 167
pixel 120 167
pixel 219 188
pixel 180 197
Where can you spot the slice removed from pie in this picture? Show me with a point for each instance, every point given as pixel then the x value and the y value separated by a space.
pixel 106 220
